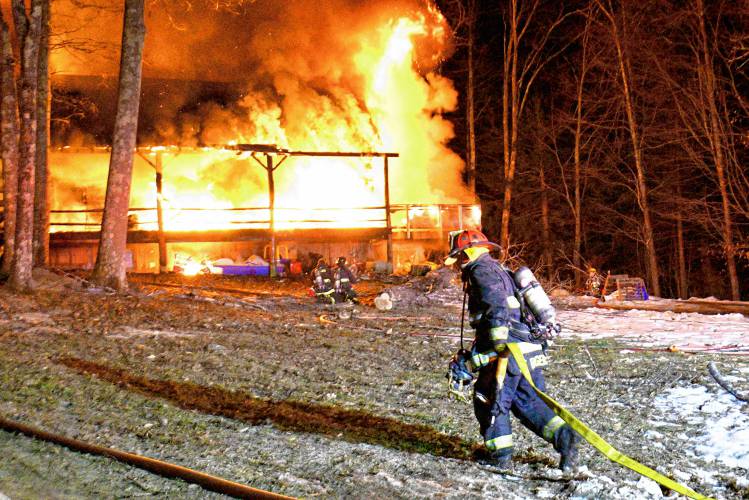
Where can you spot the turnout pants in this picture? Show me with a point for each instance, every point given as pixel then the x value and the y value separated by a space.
pixel 496 394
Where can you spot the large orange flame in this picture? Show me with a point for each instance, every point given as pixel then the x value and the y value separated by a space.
pixel 394 105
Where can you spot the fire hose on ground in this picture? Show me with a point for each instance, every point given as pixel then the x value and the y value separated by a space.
pixel 164 469
pixel 597 441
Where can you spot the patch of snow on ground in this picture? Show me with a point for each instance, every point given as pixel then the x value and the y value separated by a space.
pixel 689 332
pixel 603 487
pixel 725 429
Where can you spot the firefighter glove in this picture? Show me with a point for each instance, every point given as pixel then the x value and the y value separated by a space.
pixel 459 375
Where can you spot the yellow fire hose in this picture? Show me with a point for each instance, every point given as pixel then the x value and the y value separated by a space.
pixel 594 439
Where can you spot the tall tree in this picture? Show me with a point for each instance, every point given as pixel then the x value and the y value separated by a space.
pixel 110 262
pixel 716 132
pixel 682 282
pixel 471 92
pixel 10 136
pixel 462 15
pixel 522 63
pixel 41 198
pixel 578 171
pixel 699 98
pixel 28 31
pixel 618 31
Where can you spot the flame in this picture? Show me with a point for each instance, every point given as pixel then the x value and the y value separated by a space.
pixel 383 96
pixel 192 269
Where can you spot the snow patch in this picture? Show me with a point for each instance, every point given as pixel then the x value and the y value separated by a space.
pixel 723 428
pixel 687 332
pixel 650 486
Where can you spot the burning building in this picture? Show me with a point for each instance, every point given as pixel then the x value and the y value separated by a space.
pixel 333 141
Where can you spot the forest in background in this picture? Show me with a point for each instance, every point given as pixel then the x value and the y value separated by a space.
pixel 621 131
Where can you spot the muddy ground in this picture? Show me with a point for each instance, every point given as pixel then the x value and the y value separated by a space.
pixel 251 380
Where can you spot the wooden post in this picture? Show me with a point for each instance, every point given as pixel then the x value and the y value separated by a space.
pixel 388 222
pixel 271 209
pixel 160 215
pixel 408 222
pixel 440 223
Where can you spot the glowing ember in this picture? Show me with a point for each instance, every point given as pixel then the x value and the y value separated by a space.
pixel 192 269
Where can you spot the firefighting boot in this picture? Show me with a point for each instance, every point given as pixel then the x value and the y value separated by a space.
pixel 502 463
pixel 565 442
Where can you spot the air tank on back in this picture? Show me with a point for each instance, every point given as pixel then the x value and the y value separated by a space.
pixel 535 296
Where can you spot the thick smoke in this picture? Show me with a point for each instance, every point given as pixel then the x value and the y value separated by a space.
pixel 309 75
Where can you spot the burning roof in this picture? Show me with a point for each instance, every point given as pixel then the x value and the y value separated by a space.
pixel 319 76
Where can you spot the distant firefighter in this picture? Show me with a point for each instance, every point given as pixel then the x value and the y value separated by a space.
pixel 344 280
pixel 322 282
pixel 594 283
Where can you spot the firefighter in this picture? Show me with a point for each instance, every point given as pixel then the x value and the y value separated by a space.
pixel 343 282
pixel 593 283
pixel 322 282
pixel 495 313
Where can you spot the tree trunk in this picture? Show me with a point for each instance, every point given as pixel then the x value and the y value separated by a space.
pixel 41 181
pixel 510 112
pixel 518 77
pixel 20 274
pixel 470 100
pixel 10 136
pixel 545 225
pixel 681 282
pixel 110 262
pixel 716 140
pixel 507 180
pixel 641 188
pixel 578 238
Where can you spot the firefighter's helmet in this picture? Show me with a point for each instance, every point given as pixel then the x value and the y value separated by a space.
pixel 467 238
pixel 341 261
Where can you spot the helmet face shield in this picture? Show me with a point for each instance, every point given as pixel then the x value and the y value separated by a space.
pixel 452 242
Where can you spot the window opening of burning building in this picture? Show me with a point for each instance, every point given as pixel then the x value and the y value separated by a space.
pixel 369 171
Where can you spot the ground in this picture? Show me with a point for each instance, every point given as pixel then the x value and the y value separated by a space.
pixel 252 381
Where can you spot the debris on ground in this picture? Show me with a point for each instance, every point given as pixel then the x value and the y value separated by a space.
pixel 419 291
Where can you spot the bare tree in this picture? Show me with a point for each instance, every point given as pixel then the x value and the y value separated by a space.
pixel 699 100
pixel 519 71
pixel 618 33
pixel 10 136
pixel 110 262
pixel 28 30
pixel 41 198
pixel 578 134
pixel 716 133
pixel 463 16
pixel 682 282
pixel 470 93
